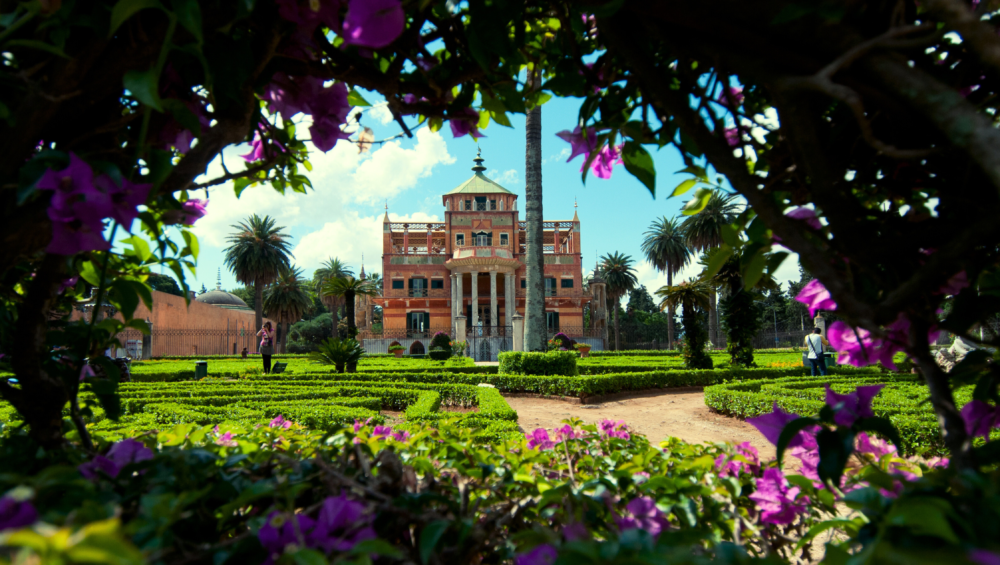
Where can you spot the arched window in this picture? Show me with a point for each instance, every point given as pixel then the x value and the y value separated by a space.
pixel 447 205
pixel 482 239
pixel 501 204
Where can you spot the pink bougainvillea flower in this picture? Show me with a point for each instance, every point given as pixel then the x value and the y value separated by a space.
pixel 643 514
pixel 325 132
pixel 581 143
pixel 851 407
pixel 381 431
pixel 980 418
pixel 604 163
pixel 539 439
pixel 258 148
pixel 86 371
pixel 575 531
pixel 770 426
pixel 190 212
pixel 331 102
pixel 979 557
pixel 776 500
pixel 309 14
pixel 123 453
pixel 733 137
pixel 543 554
pixel 734 92
pixel 358 425
pixel 566 433
pixel 68 284
pixel 807 215
pixel 70 238
pixel 281 530
pixel 955 284
pixel 337 527
pixel 400 436
pixel 615 429
pixel 875 447
pixel 290 96
pixel 373 23
pixel 465 122
pixel 280 422
pixel 816 297
pixel 16 514
pixel 76 177
pixel 226 440
pixel 125 198
pixel 727 465
pixel 855 346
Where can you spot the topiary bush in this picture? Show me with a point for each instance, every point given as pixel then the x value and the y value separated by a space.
pixel 534 363
pixel 440 349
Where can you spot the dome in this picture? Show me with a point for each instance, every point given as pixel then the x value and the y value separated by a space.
pixel 219 297
pixel 479 183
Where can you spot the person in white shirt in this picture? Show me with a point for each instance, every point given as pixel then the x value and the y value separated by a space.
pixel 814 347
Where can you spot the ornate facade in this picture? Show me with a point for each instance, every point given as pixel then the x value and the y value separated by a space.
pixel 472 266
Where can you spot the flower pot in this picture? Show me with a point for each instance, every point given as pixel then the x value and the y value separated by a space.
pixel 398 353
pixel 584 353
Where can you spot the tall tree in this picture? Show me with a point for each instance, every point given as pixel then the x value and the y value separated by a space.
pixel 704 231
pixel 287 300
pixel 742 317
pixel 620 278
pixel 693 298
pixel 535 332
pixel 164 283
pixel 666 248
pixel 257 252
pixel 333 268
pixel 347 288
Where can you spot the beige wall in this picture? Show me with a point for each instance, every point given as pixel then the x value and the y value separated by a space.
pixel 171 313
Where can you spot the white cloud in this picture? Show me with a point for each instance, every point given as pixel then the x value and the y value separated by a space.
pixel 349 238
pixel 508 177
pixel 558 156
pixel 339 178
pixel 380 112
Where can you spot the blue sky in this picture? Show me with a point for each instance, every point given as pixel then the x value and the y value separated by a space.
pixel 342 216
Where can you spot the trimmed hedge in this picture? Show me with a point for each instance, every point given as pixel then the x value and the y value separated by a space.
pixel 535 363
pixel 902 401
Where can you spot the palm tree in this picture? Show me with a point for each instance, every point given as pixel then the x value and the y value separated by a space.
pixel 666 248
pixel 535 331
pixel 704 231
pixel 620 279
pixel 693 297
pixel 742 319
pixel 287 300
pixel 332 269
pixel 347 288
pixel 257 252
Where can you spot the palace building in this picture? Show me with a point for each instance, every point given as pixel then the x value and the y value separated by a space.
pixel 469 271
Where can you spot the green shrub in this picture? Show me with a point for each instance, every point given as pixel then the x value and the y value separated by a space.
pixel 440 353
pixel 337 352
pixel 535 363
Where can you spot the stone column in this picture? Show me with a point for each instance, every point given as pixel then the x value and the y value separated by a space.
pixel 459 298
pixel 475 300
pixel 454 301
pixel 518 323
pixel 510 303
pixel 494 311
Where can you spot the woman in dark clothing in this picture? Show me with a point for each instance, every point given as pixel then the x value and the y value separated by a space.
pixel 266 345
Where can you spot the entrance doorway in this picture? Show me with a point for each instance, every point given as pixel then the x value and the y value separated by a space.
pixel 484 315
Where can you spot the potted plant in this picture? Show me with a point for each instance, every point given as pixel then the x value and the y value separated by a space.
pixel 458 348
pixel 340 353
pixel 440 348
pixel 397 350
pixel 583 348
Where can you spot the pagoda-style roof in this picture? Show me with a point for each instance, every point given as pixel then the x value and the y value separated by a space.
pixel 479 183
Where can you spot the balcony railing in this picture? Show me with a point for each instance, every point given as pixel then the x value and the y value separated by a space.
pixel 557 292
pixel 402 333
pixel 416 293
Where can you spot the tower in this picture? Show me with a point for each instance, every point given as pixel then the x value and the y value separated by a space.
pixel 362 303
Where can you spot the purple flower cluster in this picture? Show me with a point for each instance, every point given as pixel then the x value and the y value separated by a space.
pixel 980 418
pixel 642 513
pixel 539 439
pixel 614 429
pixel 339 527
pixel 851 407
pixel 328 106
pixel 543 554
pixel 777 501
pixel 80 204
pixel 465 122
pixel 816 297
pixel 369 23
pixel 384 432
pixel 730 466
pixel 226 439
pixel 584 142
pixel 121 454
pixel 15 514
pixel 280 422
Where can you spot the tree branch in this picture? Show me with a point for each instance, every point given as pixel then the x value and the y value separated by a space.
pixel 976 34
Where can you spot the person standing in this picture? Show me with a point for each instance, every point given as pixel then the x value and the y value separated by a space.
pixel 266 335
pixel 814 344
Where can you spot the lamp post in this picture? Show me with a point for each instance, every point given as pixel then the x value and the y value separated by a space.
pixel 774 313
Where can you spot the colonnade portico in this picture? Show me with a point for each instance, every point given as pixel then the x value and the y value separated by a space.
pixel 474 267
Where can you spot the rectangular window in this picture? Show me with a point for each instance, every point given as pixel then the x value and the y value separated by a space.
pixel 437 283
pixel 418 321
pixel 480 203
pixel 493 204
pixel 460 239
pixel 398 285
pixel 566 283
pixel 552 321
pixel 550 287
pixel 524 283
pixel 418 287
pixel 468 205
pixel 503 240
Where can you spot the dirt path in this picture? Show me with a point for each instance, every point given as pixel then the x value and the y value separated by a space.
pixel 655 414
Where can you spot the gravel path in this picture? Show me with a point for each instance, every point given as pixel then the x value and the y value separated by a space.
pixel 656 414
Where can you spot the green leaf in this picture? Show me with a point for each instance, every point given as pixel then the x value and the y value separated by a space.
pixel 924 516
pixel 139 249
pixel 309 557
pixel 790 430
pixel 717 261
pixel 192 242
pixel 638 162
pixel 40 45
pixel 144 86
pixel 125 9
pixel 90 273
pixel 697 202
pixel 835 448
pixel 753 272
pixel 774 260
pixel 822 527
pixel 184 116
pixel 125 296
pixel 730 235
pixel 189 15
pixel 683 187
pixel 696 171
pixel 429 538
pixel 498 112
pixel 380 547
pixel 355 99
pixel 988 454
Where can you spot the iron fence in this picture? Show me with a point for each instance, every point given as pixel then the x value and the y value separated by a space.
pixel 165 343
pixel 486 343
